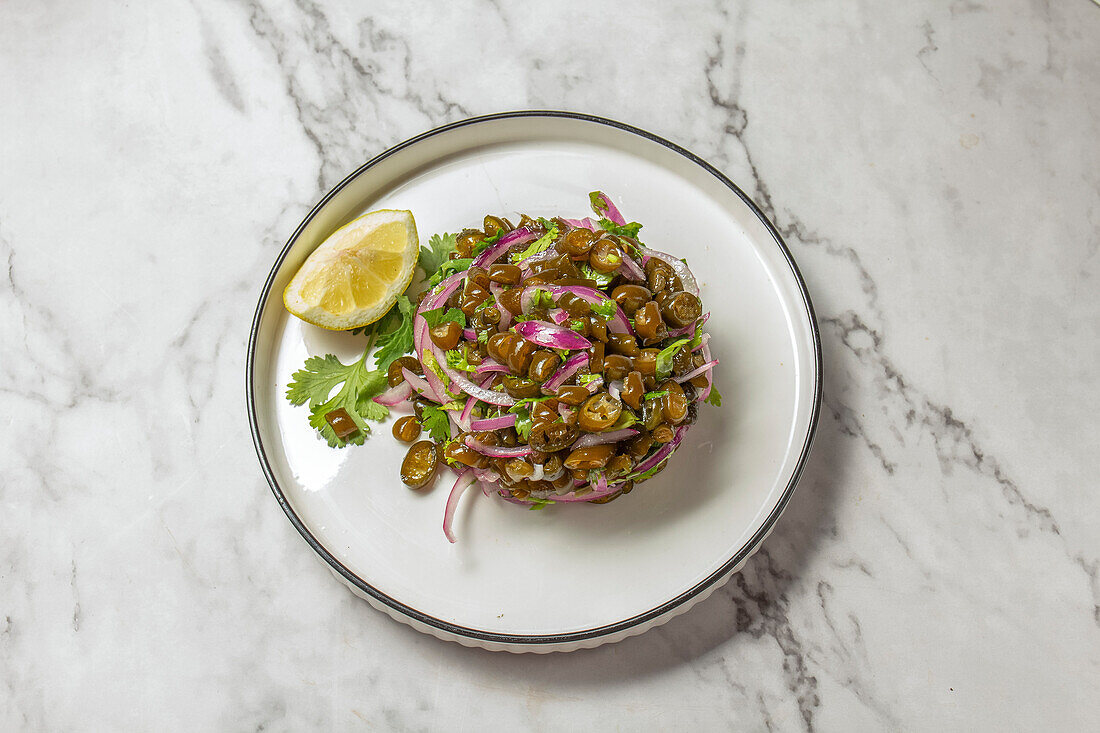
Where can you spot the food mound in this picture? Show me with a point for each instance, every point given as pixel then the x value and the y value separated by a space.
pixel 558 360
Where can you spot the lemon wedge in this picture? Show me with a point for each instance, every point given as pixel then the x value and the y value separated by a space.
pixel 355 275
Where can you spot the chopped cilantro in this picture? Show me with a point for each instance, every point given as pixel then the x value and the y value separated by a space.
pixel 449 268
pixel 626 419
pixel 626 230
pixel 603 279
pixel 698 337
pixel 666 355
pixel 457 360
pixel 523 424
pixel 715 397
pixel 655 395
pixel 438 316
pixel 605 308
pixel 541 244
pixel 586 378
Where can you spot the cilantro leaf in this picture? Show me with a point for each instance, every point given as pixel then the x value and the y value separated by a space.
pixel 626 230
pixel 438 316
pixel 529 400
pixel 605 308
pixel 655 395
pixel 698 337
pixel 399 341
pixel 603 279
pixel 457 360
pixel 541 244
pixel 647 474
pixel 487 242
pixel 523 423
pixel 449 268
pixel 666 355
pixel 316 380
pixel 586 378
pixel 626 419
pixel 435 254
pixel 435 421
pixel 715 397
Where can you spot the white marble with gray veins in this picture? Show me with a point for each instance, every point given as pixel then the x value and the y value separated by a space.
pixel 935 168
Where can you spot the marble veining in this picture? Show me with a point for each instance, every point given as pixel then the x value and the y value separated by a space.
pixel 935 170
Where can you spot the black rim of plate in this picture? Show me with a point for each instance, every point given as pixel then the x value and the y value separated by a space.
pixel 542 639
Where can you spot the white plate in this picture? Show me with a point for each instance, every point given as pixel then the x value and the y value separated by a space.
pixel 566 576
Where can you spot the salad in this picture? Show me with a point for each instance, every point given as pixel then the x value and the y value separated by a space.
pixel 552 361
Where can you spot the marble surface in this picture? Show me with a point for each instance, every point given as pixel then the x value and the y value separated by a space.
pixel 934 167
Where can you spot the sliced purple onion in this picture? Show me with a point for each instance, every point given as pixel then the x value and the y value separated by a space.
pixel 433 379
pixel 601 204
pixel 591 439
pixel 615 388
pixel 523 235
pixel 395 395
pixel 585 223
pixel 497 451
pixel 677 266
pixel 696 372
pixel 710 374
pixel 665 451
pixel 420 385
pixel 559 315
pixel 485 395
pixel 468 411
pixel 688 330
pixel 630 269
pixel 551 336
pixel 571 498
pixel 494 423
pixel 564 410
pixel 488 364
pixel 595 384
pixel 469 334
pixel 565 371
pixel 464 481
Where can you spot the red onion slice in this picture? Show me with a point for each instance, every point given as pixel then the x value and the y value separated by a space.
pixel 489 365
pixel 591 439
pixel 542 333
pixel 494 423
pixel 395 395
pixel 464 481
pixel 677 266
pixel 601 204
pixel 485 395
pixel 565 371
pixel 523 235
pixel 710 374
pixel 497 451
pixel 696 372
pixel 420 385
pixel 631 270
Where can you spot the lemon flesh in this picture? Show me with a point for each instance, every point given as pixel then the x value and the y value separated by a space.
pixel 355 275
